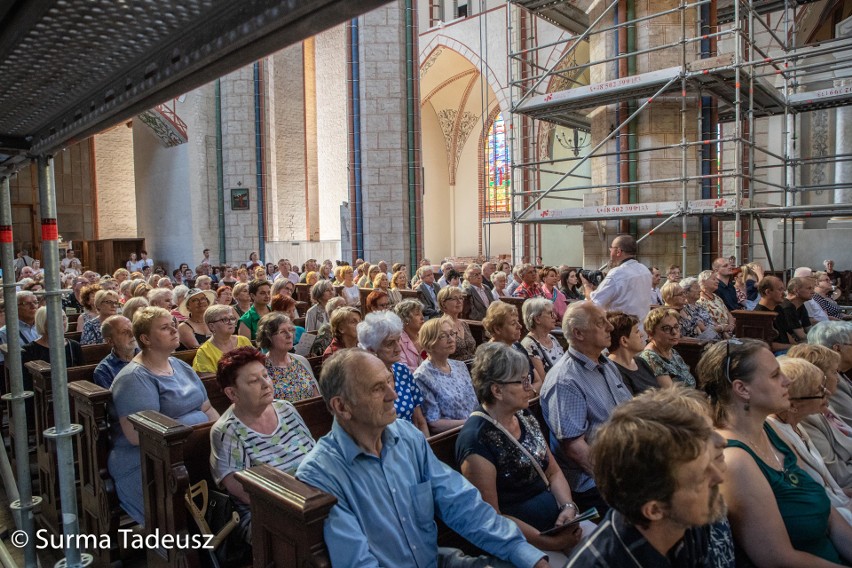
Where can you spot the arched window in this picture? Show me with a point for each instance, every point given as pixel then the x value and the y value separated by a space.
pixel 498 188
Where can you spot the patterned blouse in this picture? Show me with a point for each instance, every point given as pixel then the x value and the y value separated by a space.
pixel 409 397
pixel 294 382
pixel 465 345
pixel 675 367
pixel 695 313
pixel 446 395
pixel 92 332
pixel 716 308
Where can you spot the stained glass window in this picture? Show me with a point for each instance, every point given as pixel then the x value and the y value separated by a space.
pixel 499 179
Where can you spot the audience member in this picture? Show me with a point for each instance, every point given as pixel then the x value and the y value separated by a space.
pixel 321 293
pixel 542 348
pixel 549 277
pixel 222 322
pixel 133 305
pixel 478 297
pixel 350 290
pixel 498 283
pixel 376 301
pixel 451 303
pixel 809 391
pixel 579 394
pixel 771 291
pixel 660 510
pixel 259 291
pixel 656 296
pixel 153 380
pixel 399 281
pixel 106 304
pixel 117 332
pixel 722 320
pixel 502 324
pixel 570 285
pixel 324 334
pixel 529 287
pixel 344 322
pixel 663 328
pixel 370 462
pixel 411 314
pixel 193 330
pixel 726 289
pixel 626 343
pixel 427 292
pixel 796 319
pixel 27 331
pixel 815 311
pixel 823 296
pixel 504 454
pixel 87 299
pixel 837 336
pixel 379 334
pixel 445 383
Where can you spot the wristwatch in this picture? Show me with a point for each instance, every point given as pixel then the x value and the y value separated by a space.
pixel 569 505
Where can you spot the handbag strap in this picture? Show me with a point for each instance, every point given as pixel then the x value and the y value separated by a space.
pixel 515 441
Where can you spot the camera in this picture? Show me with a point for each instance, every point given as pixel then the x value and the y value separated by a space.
pixel 595 277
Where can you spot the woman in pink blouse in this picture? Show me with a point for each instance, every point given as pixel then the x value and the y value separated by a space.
pixel 411 314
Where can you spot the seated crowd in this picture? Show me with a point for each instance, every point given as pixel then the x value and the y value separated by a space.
pixel 744 458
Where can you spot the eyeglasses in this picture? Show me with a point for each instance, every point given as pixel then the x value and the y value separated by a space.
pixel 30 304
pixel 111 303
pixel 457 298
pixel 445 335
pixel 225 320
pixel 823 394
pixel 670 329
pixel 526 382
pixel 728 357
pixel 286 332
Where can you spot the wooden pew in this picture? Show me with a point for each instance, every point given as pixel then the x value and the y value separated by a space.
pixel 757 325
pixel 302 293
pixel 690 350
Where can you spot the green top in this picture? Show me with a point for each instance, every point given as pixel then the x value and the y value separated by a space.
pixel 803 504
pixel 250 319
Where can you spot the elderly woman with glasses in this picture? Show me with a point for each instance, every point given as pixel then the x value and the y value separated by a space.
pixel 542 348
pixel 451 302
pixel 703 327
pixel 256 429
pixel 663 329
pixel 497 446
pixel 379 333
pixel 291 374
pixel 502 324
pixel 808 397
pixel 445 383
pixel 779 515
pixel 222 321
pixel 828 433
pixel 106 303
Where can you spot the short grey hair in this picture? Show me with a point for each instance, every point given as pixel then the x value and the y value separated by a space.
pixel 689 282
pixel 320 288
pixel 337 371
pixel 376 328
pixel 469 269
pixel 495 363
pixel 179 293
pixel 533 308
pixel 406 309
pixel 157 293
pixel 216 312
pixel 576 317
pixel 203 278
pixel 830 333
pixel 133 305
pixel 495 276
pixel 705 276
pixel 268 326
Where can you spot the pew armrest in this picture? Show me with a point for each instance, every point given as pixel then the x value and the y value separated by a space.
pixel 287 518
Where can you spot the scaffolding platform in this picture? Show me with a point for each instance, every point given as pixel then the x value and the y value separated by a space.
pixel 559 13
pixel 725 8
pixel 576 215
pixel 820 99
pixel 561 107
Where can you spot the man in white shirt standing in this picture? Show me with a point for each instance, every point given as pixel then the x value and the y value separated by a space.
pixel 617 292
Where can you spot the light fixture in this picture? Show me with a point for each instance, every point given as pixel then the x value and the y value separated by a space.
pixel 574 142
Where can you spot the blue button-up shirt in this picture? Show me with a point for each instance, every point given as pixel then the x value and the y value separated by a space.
pixel 385 513
pixel 27 333
pixel 577 397
pixel 108 369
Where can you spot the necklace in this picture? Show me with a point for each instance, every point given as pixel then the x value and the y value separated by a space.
pixel 787 475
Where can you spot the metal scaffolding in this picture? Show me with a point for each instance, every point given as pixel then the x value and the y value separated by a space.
pixel 734 69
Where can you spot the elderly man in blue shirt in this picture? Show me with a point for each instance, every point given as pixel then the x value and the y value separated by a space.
pixel 390 486
pixel 27 307
pixel 117 332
